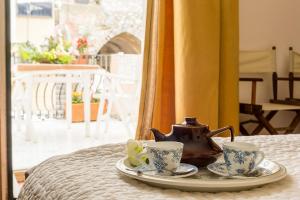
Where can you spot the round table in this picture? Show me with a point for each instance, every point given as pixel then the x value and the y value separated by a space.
pixel 91 174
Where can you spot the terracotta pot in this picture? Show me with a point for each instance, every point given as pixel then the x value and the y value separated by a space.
pixel 82 59
pixel 78 111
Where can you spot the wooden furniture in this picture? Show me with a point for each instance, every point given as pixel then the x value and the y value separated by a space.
pixel 289 100
pixel 263 62
pixel 5 156
pixel 294 58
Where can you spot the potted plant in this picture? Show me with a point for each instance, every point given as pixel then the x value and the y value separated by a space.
pixel 78 108
pixel 55 52
pixel 27 52
pixel 82 46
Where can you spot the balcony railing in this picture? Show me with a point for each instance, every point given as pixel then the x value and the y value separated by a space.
pixel 43 91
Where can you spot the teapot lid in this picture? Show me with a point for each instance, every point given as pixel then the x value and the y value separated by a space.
pixel 191 122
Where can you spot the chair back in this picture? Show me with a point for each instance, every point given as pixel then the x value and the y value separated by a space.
pixel 294 58
pixel 257 61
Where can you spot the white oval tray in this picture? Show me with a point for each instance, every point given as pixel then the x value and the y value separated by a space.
pixel 203 181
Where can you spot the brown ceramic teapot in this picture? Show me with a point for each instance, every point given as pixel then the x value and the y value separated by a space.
pixel 199 149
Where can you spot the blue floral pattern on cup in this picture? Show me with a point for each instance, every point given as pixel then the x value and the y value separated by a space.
pixel 241 162
pixel 161 158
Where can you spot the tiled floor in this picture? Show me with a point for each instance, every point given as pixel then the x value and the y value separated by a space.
pixel 53 138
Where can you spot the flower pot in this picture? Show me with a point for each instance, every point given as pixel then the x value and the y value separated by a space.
pixel 78 111
pixel 82 59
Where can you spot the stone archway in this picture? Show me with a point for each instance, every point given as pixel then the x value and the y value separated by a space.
pixel 124 42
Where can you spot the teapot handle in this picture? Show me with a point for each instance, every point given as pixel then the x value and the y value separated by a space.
pixel 215 132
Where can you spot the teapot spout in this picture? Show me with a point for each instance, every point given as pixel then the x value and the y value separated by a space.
pixel 158 135
pixel 215 132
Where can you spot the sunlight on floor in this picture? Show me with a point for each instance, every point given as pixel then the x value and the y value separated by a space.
pixel 53 138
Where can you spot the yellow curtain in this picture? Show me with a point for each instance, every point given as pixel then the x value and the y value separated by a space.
pixel 200 51
pixel 229 62
pixel 157 105
pixel 164 106
pixel 206 61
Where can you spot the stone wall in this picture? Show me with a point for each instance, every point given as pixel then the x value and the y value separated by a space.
pixel 103 21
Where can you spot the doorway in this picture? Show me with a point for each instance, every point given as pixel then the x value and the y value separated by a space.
pixel 75 83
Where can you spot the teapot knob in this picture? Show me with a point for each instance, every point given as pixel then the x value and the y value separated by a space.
pixel 192 121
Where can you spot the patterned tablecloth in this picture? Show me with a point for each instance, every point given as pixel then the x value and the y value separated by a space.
pixel 91 174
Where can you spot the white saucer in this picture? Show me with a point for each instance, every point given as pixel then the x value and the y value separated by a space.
pixel 265 168
pixel 203 181
pixel 186 169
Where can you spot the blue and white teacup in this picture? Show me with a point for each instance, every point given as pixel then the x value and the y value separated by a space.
pixel 241 158
pixel 164 156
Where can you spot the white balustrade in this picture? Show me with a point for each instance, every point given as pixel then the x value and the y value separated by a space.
pixel 68 77
pixel 111 88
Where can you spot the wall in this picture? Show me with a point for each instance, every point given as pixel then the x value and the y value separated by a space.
pixel 33 29
pixel 263 24
pixel 103 22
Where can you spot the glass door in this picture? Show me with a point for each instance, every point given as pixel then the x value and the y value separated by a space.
pixel 75 83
